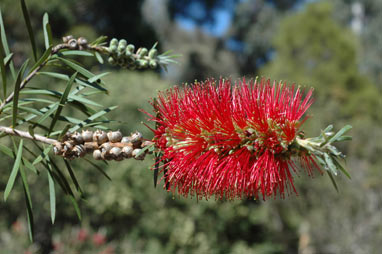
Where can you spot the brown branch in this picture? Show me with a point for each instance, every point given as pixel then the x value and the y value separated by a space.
pixel 27 135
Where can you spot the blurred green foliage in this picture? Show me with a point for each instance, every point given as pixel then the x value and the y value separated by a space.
pixel 309 46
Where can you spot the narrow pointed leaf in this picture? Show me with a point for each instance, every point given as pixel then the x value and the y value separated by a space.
pixel 29 28
pixel 26 186
pixel 333 180
pixel 17 90
pixel 62 102
pixel 5 45
pixel 14 172
pixel 340 167
pixel 77 67
pixel 340 133
pixel 2 69
pixel 99 57
pixel 75 53
pixel 42 59
pixel 91 118
pixel 8 58
pixel 47 31
pixel 98 168
pixel 30 219
pixel 98 77
pixel 76 207
pixel 72 175
pixel 330 164
pixel 52 197
pixel 43 155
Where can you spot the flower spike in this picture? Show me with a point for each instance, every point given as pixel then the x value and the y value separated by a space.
pixel 234 140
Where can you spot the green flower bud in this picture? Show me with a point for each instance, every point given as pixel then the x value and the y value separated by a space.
pixel 130 48
pixel 111 61
pixel 113 49
pixel 122 43
pixel 153 53
pixel 153 64
pixel 142 52
pixel 142 63
pixel 114 42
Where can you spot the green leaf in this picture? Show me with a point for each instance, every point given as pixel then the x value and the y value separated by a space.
pixel 14 171
pixel 62 102
pixel 98 168
pixel 5 45
pixel 98 41
pixel 46 115
pixel 43 155
pixel 74 53
pixel 78 81
pixel 26 186
pixel 340 167
pixel 344 138
pixel 47 31
pixel 333 180
pixel 72 175
pixel 98 77
pixel 91 118
pixel 76 207
pixel 76 67
pixel 330 164
pixel 29 28
pixel 99 57
pixel 17 90
pixel 29 217
pixel 8 58
pixel 42 59
pixel 340 133
pixel 2 69
pixel 52 197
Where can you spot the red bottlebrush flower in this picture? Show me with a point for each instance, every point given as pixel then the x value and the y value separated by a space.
pixel 231 141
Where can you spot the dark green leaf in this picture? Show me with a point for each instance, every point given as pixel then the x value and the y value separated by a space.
pixel 62 102
pixel 76 207
pixel 344 138
pixel 42 59
pixel 26 186
pixel 91 118
pixel 340 133
pixel 5 45
pixel 14 171
pixel 340 167
pixel 29 218
pixel 29 28
pixel 72 175
pixel 333 180
pixel 2 69
pixel 8 58
pixel 47 31
pixel 99 40
pixel 98 168
pixel 46 115
pixel 52 197
pixel 330 164
pixel 43 155
pixel 77 67
pixel 17 90
pixel 99 57
pixel 97 77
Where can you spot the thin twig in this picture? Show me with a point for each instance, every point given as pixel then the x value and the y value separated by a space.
pixel 55 50
pixel 27 135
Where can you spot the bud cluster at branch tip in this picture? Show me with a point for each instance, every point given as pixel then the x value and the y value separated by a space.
pixel 110 145
pixel 124 55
